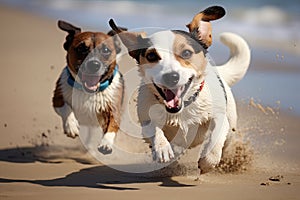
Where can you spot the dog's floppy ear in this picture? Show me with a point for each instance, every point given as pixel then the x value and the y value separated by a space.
pixel 116 39
pixel 71 29
pixel 112 32
pixel 134 42
pixel 200 26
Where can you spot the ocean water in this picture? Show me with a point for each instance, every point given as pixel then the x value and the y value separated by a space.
pixel 271 27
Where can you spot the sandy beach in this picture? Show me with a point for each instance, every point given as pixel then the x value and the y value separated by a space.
pixel 37 161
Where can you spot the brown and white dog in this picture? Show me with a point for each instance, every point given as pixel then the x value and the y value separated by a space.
pixel 183 101
pixel 90 88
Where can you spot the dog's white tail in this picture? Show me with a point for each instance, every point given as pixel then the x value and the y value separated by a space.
pixel 236 67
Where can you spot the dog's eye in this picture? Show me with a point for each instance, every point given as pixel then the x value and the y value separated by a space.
pixel 105 50
pixel 83 49
pixel 152 57
pixel 186 54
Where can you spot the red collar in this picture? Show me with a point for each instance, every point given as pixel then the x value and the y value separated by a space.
pixel 201 85
pixel 192 98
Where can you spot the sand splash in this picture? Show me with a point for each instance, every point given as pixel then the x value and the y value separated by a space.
pixel 241 154
pixel 237 156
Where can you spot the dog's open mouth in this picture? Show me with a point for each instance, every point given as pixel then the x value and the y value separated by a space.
pixel 173 97
pixel 90 82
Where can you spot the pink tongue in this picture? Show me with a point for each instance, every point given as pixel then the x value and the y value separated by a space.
pixel 90 81
pixel 172 100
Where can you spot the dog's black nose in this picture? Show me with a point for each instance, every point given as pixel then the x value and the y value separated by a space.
pixel 171 79
pixel 93 66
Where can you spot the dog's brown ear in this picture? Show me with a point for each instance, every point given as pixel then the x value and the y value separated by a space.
pixel 200 26
pixel 133 41
pixel 71 29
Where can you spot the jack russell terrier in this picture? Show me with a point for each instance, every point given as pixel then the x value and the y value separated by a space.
pixel 90 88
pixel 183 101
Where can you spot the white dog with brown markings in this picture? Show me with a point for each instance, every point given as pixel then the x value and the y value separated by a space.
pixel 89 91
pixel 183 101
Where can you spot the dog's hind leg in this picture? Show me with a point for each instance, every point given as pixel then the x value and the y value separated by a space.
pixel 232 117
pixel 213 144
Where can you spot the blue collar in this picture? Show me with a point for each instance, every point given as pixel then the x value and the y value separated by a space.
pixel 103 85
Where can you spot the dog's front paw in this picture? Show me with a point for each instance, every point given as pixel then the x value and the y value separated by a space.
pixel 71 126
pixel 163 152
pixel 107 142
pixel 105 147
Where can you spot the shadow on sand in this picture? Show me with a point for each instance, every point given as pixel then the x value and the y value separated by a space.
pixel 101 177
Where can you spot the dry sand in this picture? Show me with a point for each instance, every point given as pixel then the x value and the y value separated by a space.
pixel 38 162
